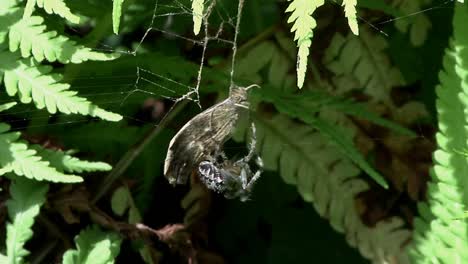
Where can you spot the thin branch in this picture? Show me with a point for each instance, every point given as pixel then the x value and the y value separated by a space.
pixel 134 151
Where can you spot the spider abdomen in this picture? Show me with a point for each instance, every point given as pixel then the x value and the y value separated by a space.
pixel 211 176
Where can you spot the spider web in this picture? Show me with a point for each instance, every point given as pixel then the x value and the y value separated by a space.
pixel 152 83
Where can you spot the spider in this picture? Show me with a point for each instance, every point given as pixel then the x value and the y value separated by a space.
pixel 232 179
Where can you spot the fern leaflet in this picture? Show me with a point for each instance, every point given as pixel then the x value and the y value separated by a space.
pixel 34 82
pixel 64 162
pixel 15 156
pixel 304 23
pixel 52 7
pixel 361 63
pixel 417 26
pixel 29 35
pixel 197 16
pixel 27 197
pixel 116 14
pixel 7 106
pixel 93 246
pixel 350 13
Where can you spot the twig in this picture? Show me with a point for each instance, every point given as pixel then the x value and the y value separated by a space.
pixel 134 151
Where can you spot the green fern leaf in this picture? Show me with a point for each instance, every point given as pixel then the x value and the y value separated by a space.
pixel 197 16
pixel 27 197
pixel 350 13
pixel 9 14
pixel 361 63
pixel 33 82
pixel 121 202
pixel 325 178
pixel 64 162
pixel 346 145
pixel 93 247
pixel 116 14
pixel 7 106
pixel 303 27
pixel 16 157
pixel 437 237
pixel 29 35
pixel 305 106
pixel 52 7
pixel 418 25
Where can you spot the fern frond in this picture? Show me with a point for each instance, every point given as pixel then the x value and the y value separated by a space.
pixel 27 197
pixel 350 14
pixel 438 238
pixel 327 179
pixel 93 246
pixel 197 16
pixel 64 162
pixel 29 35
pixel 361 63
pixel 57 7
pixel 16 157
pixel 116 14
pixel 34 82
pixel 418 25
pixel 304 23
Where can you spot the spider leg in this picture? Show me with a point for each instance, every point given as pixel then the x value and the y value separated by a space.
pixel 252 146
pixel 244 180
pixel 252 181
pixel 259 161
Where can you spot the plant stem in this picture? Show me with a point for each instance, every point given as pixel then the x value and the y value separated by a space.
pixel 134 151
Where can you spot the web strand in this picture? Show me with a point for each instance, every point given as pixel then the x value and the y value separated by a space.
pixel 155 84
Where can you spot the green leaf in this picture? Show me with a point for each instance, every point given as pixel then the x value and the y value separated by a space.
pixel 350 13
pixel 358 110
pixel 64 162
pixel 361 63
pixel 116 14
pixel 304 107
pixel 16 157
pixel 120 201
pixel 437 238
pixel 30 36
pixel 380 5
pixel 197 16
pixel 7 106
pixel 418 25
pixel 27 197
pixel 93 246
pixel 304 23
pixel 34 82
pixel 346 145
pixel 52 7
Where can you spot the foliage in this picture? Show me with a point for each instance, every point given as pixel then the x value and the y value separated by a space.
pixel 295 149
pixel 93 246
pixel 51 7
pixel 362 63
pixel 197 9
pixel 116 14
pixel 437 237
pixel 304 24
pixel 22 209
pixel 346 144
